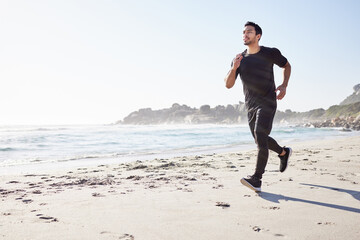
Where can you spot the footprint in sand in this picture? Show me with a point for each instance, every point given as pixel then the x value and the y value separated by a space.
pixel 326 223
pixel 27 201
pixel 286 180
pixel 279 235
pixel 97 195
pixel 12 182
pixel 218 186
pixel 256 228
pixel 272 208
pixel 52 219
pixel 125 236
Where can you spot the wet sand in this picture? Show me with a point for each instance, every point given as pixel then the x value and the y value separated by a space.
pixel 191 197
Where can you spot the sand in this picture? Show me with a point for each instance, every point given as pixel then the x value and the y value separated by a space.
pixel 192 197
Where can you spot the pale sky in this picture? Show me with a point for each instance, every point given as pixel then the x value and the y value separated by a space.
pixel 90 62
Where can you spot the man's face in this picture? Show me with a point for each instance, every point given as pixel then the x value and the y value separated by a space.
pixel 249 35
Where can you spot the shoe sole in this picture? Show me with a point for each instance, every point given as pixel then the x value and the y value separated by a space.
pixel 247 184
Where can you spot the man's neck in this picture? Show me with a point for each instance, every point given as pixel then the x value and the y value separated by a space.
pixel 253 48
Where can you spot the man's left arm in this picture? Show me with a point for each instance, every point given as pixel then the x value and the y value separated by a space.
pixel 283 86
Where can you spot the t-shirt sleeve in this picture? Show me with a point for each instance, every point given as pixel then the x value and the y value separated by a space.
pixel 278 58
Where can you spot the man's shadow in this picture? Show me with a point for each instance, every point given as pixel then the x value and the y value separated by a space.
pixel 277 197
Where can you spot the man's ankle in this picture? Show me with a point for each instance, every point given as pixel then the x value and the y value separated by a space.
pixel 282 153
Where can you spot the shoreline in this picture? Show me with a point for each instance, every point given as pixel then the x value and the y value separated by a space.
pixel 27 168
pixel 191 197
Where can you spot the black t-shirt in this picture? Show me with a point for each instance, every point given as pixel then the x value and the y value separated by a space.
pixel 256 73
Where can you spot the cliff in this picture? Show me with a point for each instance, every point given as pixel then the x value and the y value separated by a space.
pixel 236 114
pixel 182 114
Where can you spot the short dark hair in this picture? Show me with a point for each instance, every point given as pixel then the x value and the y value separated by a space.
pixel 257 27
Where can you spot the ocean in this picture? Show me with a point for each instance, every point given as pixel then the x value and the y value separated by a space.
pixel 27 145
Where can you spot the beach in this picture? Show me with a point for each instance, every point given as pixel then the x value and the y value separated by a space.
pixel 191 197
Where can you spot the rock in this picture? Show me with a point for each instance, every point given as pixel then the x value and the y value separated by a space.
pixel 356 88
pixel 205 109
pixel 353 98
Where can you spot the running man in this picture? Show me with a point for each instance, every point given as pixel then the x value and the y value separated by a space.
pixel 255 67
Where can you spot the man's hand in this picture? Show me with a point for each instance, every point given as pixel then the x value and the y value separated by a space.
pixel 237 60
pixel 283 86
pixel 282 92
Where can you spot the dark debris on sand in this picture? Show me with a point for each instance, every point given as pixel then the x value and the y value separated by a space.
pixel 85 182
pixel 222 204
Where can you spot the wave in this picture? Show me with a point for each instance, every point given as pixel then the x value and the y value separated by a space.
pixel 31 129
pixel 7 149
pixel 49 129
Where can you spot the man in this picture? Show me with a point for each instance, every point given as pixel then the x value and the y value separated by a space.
pixel 255 67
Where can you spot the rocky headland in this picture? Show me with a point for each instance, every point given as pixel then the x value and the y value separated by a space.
pixel 345 115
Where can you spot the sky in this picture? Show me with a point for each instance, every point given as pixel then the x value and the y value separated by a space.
pixel 94 62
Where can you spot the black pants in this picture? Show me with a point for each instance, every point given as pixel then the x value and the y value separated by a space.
pixel 260 122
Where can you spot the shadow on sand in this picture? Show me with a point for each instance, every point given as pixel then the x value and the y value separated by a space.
pixel 277 197
pixel 354 194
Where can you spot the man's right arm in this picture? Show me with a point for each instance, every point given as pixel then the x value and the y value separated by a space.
pixel 231 76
